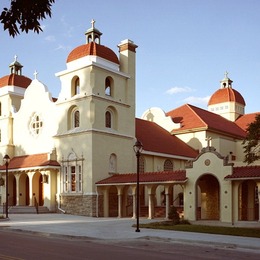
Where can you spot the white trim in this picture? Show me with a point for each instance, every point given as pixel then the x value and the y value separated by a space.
pixel 167 155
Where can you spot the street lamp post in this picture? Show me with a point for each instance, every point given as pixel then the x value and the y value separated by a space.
pixel 138 147
pixel 6 160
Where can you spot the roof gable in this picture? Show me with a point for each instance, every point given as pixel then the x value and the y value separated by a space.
pixel 192 118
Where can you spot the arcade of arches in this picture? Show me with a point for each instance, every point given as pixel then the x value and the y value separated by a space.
pixel 26 188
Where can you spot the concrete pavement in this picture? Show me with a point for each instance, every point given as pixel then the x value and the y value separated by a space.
pixel 116 229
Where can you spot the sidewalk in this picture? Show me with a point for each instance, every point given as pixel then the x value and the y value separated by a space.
pixel 115 229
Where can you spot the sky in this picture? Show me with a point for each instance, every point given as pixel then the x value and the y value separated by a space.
pixel 184 46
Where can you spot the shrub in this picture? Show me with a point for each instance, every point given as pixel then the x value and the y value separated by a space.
pixel 174 215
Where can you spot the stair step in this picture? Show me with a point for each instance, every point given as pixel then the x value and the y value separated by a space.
pixel 27 210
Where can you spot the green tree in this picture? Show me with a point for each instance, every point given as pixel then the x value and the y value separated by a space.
pixel 25 15
pixel 252 146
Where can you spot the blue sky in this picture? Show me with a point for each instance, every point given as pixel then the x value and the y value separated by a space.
pixel 184 46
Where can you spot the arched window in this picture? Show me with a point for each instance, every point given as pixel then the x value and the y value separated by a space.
pixel 108 119
pixel 168 165
pixel 108 86
pixel 75 86
pixel 76 118
pixel 0 109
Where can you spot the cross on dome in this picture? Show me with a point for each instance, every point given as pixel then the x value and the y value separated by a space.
pixel 226 75
pixel 35 74
pixel 93 23
pixel 15 57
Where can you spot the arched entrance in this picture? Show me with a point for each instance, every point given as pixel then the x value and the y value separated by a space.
pixel 11 190
pixel 208 198
pixel 248 201
pixel 24 199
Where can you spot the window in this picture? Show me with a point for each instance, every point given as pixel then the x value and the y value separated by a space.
pixel 180 197
pixel 108 119
pixel 72 174
pixel 36 125
pixel 108 86
pixel 168 165
pixel 0 109
pixel 76 118
pixel 75 86
pixel 141 164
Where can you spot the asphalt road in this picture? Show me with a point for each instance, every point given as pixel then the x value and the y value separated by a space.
pixel 24 245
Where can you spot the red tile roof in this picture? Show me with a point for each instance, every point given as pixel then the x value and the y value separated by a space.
pixel 15 80
pixel 226 95
pixel 245 120
pixel 194 118
pixel 245 172
pixel 93 49
pixel 156 139
pixel 30 161
pixel 147 177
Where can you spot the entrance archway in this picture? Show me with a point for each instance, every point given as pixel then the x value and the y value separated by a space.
pixel 208 198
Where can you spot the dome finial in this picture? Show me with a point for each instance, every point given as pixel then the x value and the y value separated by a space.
pixel 35 74
pixel 93 23
pixel 226 75
pixel 93 34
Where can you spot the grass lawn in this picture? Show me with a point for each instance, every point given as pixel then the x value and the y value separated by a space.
pixel 232 231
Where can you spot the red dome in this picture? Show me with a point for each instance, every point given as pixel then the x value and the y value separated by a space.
pixel 94 49
pixel 226 95
pixel 15 80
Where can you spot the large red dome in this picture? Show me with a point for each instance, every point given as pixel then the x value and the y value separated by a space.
pixel 94 49
pixel 15 80
pixel 226 95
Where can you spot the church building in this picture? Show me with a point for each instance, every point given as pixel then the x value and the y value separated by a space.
pixel 74 154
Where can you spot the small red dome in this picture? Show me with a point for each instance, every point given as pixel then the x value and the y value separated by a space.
pixel 226 95
pixel 94 49
pixel 15 80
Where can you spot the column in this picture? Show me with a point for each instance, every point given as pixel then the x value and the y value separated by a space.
pixel 17 177
pixel 106 201
pixel 120 195
pixel 31 197
pixel 167 201
pixel 150 201
pixel 258 187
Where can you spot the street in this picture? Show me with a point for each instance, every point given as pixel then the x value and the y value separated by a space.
pixel 23 245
